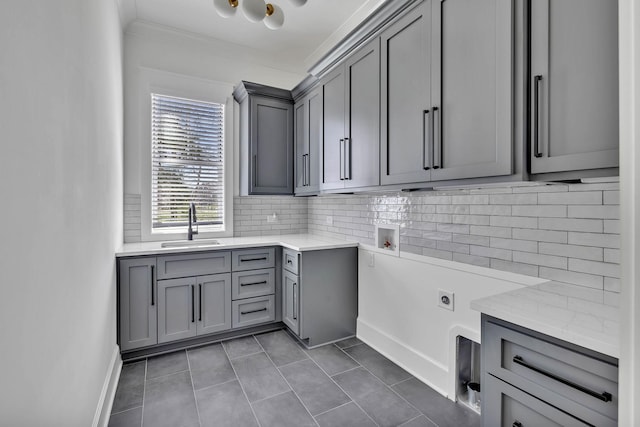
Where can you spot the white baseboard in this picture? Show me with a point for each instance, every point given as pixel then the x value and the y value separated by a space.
pixel 105 403
pixel 427 370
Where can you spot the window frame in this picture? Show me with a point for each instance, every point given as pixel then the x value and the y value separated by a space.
pixel 181 86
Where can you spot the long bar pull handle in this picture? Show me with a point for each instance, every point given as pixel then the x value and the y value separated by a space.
pixel 253 259
pixel 516 424
pixel 437 138
pixel 342 159
pixel 199 302
pixel 253 311
pixel 426 140
pixel 347 158
pixel 604 396
pixel 255 170
pixel 193 309
pixel 153 293
pixel 536 116
pixel 295 302
pixel 308 170
pixel 264 282
pixel 304 170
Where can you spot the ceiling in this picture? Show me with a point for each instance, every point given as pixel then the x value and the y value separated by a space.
pixel 308 32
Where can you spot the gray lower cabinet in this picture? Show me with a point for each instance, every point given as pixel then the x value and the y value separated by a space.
pixel 193 306
pixel 530 379
pixel 253 311
pixel 351 119
pixel 308 139
pixel 320 294
pixel 266 139
pixel 574 85
pixel 137 300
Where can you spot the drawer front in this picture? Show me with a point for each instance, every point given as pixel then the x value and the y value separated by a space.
pixel 253 259
pixel 253 283
pixel 189 265
pixel 565 377
pixel 290 260
pixel 252 311
pixel 506 406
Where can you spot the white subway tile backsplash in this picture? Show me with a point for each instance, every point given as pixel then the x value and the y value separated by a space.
pixel 472 259
pixel 576 198
pixel 490 209
pixel 570 224
pixel 470 219
pixel 576 278
pixel 475 199
pixel 540 259
pixel 550 211
pixel 489 252
pixel 595 239
pixel 612 255
pixel 612 284
pixel 593 267
pixel 514 244
pixel 540 235
pixel 471 239
pixel 572 251
pixel 515 267
pixel 514 199
pixel 602 212
pixel 481 230
pixel 514 221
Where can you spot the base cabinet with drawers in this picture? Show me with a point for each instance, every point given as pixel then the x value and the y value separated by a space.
pixel 531 379
pixel 320 294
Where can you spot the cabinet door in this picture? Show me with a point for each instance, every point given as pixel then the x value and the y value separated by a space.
pixel 137 303
pixel 271 146
pixel 176 309
pixel 362 147
pixel 574 85
pixel 471 70
pixel 333 111
pixel 406 98
pixel 301 135
pixel 290 301
pixel 315 120
pixel 214 303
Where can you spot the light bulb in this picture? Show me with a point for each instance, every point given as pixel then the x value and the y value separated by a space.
pixel 226 8
pixel 298 2
pixel 254 10
pixel 274 18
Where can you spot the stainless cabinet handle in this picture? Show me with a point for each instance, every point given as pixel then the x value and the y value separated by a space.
pixel 253 311
pixel 199 302
pixel 253 259
pixel 255 170
pixel 437 138
pixel 264 282
pixel 193 310
pixel 347 158
pixel 153 296
pixel 342 159
pixel 304 170
pixel 604 396
pixel 308 176
pixel 295 302
pixel 536 116
pixel 426 140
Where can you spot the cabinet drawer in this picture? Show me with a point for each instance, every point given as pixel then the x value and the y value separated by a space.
pixel 252 311
pixel 569 379
pixel 253 259
pixel 254 283
pixel 290 260
pixel 201 264
pixel 507 406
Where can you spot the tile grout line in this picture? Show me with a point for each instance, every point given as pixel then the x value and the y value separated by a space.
pixel 243 356
pixel 339 406
pixel 193 387
pixel 285 380
pixel 126 410
pixel 414 418
pixel 144 390
pixel 241 386
pixel 216 385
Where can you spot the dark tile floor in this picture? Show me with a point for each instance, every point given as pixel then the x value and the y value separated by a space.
pixel 269 380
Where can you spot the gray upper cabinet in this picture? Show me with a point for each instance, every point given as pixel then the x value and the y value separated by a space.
pixel 137 303
pixel 266 139
pixel 308 138
pixel 471 117
pixel 405 98
pixel 351 113
pixel 574 85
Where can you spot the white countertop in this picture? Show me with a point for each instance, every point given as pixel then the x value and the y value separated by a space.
pixel 571 313
pixel 296 242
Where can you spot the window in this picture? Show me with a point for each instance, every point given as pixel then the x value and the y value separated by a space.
pixel 187 163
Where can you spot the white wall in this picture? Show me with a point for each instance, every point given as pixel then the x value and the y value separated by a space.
pixel 61 216
pixel 629 389
pixel 398 313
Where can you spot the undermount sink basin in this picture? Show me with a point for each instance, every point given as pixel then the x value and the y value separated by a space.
pixel 190 243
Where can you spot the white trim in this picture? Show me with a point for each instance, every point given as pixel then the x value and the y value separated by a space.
pixel 108 393
pixel 179 85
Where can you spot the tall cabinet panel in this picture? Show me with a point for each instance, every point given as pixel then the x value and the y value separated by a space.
pixel 308 137
pixel 361 157
pixel 472 88
pixel 138 303
pixel 405 98
pixel 574 84
pixel 333 92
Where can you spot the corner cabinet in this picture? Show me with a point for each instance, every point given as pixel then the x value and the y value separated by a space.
pixel 266 139
pixel 447 92
pixel 351 119
pixel 574 85
pixel 308 139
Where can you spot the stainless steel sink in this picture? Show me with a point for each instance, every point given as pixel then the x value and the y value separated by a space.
pixel 202 243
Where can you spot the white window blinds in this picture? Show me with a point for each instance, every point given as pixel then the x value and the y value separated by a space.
pixel 187 161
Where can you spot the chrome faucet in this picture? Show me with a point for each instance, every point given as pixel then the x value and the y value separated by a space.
pixel 193 219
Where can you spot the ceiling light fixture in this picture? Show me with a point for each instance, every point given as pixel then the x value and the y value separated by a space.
pixel 254 11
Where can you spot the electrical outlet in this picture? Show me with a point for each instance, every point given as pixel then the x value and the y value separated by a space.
pixel 329 220
pixel 272 218
pixel 445 299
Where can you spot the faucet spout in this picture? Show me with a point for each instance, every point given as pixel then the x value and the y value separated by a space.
pixel 193 219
